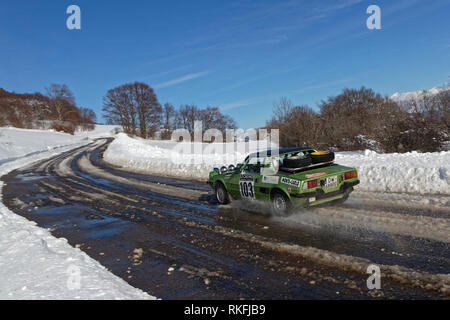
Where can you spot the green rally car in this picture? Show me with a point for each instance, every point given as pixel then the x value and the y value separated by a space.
pixel 288 177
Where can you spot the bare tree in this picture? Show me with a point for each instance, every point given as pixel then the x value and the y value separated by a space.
pixel 169 114
pixel 135 106
pixel 88 118
pixel 187 115
pixel 298 125
pixel 148 109
pixel 443 101
pixel 117 109
pixel 168 121
pixel 61 100
pixel 282 110
pixel 350 114
pixel 211 117
pixel 360 119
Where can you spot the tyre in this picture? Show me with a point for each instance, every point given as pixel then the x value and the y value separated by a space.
pixel 297 162
pixel 281 204
pixel 322 156
pixel 222 194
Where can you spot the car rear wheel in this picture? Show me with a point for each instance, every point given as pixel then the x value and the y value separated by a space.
pixel 281 204
pixel 222 194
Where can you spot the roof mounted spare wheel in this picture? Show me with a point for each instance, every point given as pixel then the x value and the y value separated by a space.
pixel 322 156
pixel 297 161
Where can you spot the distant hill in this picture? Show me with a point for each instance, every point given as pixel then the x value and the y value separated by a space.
pixel 37 111
pixel 23 110
pixel 417 101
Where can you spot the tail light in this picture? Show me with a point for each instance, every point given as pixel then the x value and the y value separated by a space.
pixel 311 184
pixel 351 175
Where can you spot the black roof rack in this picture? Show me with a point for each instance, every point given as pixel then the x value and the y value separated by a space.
pixel 312 166
pixel 280 151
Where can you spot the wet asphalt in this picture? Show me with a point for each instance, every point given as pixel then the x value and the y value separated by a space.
pixel 171 239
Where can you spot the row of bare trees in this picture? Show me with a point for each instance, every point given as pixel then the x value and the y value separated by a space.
pixel 57 108
pixel 362 119
pixel 136 107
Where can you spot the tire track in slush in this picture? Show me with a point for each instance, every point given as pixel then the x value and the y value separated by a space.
pixel 179 210
pixel 90 169
pixel 379 228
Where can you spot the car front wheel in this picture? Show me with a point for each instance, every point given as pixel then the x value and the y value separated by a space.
pixel 222 194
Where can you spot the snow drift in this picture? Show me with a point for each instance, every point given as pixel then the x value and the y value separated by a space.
pixel 16 142
pixel 184 160
pixel 33 263
pixel 413 172
pixel 420 173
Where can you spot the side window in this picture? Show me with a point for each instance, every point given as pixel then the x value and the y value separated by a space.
pixel 271 165
pixel 254 165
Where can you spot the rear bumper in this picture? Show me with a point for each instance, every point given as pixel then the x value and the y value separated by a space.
pixel 321 195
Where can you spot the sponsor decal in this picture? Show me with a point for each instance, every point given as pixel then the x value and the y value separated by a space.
pixel 246 177
pixel 315 175
pixel 270 179
pixel 290 182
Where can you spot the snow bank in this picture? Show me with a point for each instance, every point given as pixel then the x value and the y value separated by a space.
pixel 422 173
pixel 185 160
pixel 33 263
pixel 36 265
pixel 100 131
pixel 16 142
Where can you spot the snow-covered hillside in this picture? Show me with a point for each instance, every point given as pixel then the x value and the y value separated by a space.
pixel 420 173
pixel 414 101
pixel 33 263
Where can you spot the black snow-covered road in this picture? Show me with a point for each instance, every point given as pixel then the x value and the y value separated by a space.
pixel 169 238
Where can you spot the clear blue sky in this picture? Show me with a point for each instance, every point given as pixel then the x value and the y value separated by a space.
pixel 239 55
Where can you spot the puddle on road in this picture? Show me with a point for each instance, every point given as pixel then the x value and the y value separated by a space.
pixel 29 177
